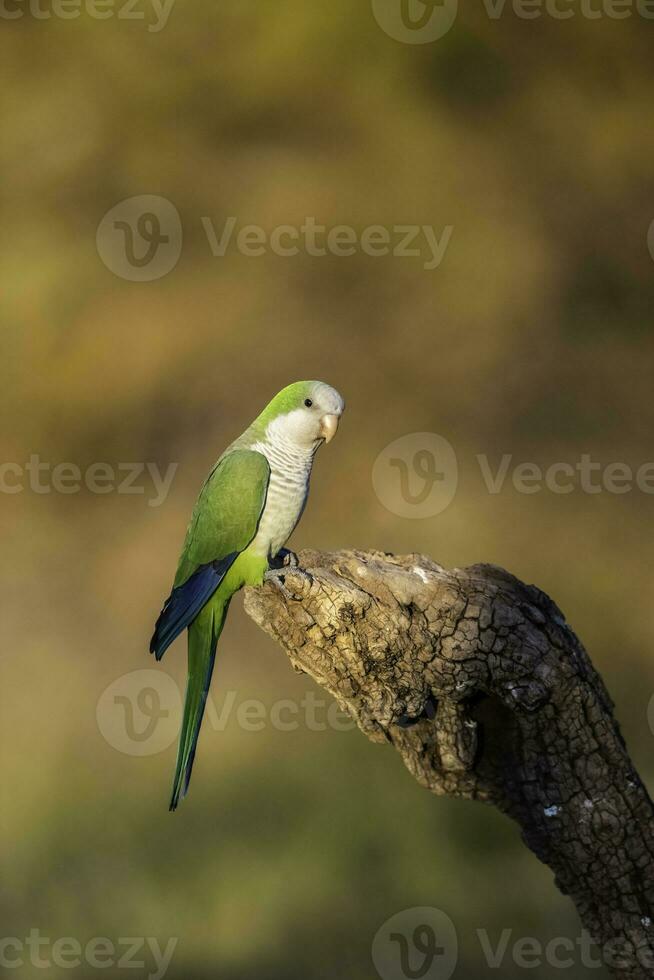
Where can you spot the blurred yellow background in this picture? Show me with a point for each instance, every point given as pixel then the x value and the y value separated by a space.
pixel 532 337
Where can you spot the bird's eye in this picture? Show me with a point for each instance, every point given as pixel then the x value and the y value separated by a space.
pixel 308 402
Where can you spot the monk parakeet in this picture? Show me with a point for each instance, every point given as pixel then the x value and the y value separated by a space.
pixel 249 505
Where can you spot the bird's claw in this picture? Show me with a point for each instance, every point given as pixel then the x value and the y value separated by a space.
pixel 284 559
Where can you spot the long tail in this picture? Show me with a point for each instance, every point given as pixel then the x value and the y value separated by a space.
pixel 203 636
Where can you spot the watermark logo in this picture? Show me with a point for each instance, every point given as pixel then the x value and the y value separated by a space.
pixel 422 944
pixel 138 713
pixel 650 714
pixel 415 21
pixel 416 944
pixel 416 476
pixel 140 239
pixel 424 21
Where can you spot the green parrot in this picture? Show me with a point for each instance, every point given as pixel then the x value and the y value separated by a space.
pixel 246 511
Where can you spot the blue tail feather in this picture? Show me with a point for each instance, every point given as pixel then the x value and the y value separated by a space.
pixel 185 602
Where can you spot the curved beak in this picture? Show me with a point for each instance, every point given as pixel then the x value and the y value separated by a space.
pixel 328 427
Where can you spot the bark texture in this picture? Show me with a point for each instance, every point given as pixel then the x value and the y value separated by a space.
pixel 487 694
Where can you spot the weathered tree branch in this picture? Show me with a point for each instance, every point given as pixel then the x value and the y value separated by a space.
pixel 487 694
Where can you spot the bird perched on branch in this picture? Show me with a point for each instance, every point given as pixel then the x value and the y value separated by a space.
pixel 247 509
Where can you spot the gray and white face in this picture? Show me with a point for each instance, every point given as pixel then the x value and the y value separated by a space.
pixel 316 417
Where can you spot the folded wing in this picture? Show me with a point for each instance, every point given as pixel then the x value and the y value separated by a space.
pixel 224 522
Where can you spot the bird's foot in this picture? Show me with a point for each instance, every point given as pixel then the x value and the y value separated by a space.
pixel 284 559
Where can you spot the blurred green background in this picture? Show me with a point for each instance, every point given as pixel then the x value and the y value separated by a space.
pixel 533 337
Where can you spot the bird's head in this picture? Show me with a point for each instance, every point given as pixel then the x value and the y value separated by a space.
pixel 305 413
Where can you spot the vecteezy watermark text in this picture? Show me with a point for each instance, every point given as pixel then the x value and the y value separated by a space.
pixel 140 239
pixel 42 477
pixel 99 953
pixel 423 942
pixel 154 13
pixel 417 475
pixel 312 238
pixel 585 474
pixel 425 21
pixel 139 713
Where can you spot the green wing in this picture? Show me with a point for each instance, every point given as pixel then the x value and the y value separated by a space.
pixel 224 522
pixel 228 510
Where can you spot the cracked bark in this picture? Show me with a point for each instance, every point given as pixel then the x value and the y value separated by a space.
pixel 487 694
